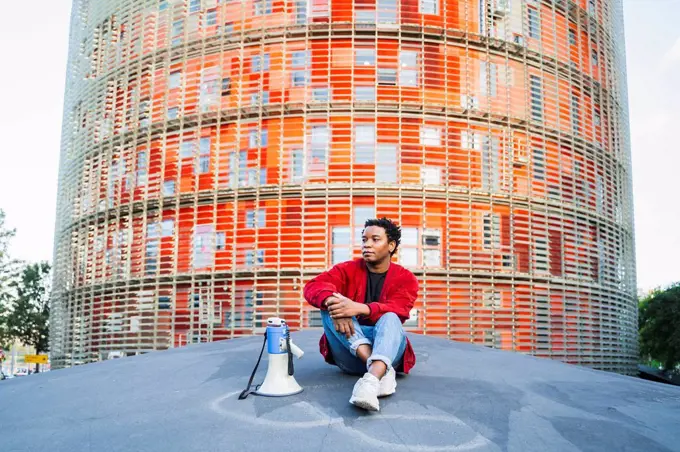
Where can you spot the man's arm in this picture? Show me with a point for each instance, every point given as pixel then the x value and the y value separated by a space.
pixel 400 301
pixel 319 288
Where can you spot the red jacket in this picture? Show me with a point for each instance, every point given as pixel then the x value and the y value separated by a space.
pixel 399 293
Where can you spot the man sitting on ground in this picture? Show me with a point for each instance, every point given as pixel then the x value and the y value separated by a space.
pixel 363 304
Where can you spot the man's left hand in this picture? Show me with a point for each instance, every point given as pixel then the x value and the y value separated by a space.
pixel 346 308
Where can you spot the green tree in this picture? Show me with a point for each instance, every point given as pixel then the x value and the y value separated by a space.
pixel 29 319
pixel 659 324
pixel 7 277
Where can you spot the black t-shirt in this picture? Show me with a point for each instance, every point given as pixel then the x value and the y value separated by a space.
pixel 374 284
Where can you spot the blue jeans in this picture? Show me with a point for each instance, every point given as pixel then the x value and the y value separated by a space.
pixel 386 338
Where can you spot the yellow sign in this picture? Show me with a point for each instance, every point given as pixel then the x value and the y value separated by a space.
pixel 35 359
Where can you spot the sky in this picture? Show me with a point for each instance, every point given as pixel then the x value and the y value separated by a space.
pixel 34 54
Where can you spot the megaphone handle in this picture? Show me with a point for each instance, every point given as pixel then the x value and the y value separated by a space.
pixel 291 369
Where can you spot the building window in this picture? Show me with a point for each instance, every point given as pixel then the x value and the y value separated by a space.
pixel 203 246
pixel 572 37
pixel 320 135
pixel 488 78
pixel 194 6
pixel 341 242
pixel 364 16
pixel 259 98
pixel 364 93
pixel 175 80
pixel 575 125
pixel 173 113
pixel 186 149
pixel 429 6
pixel 491 299
pixel 211 17
pixel 261 7
pixel 142 167
pixel 320 95
pixel 596 118
pixel 259 63
pixel 255 218
pixel 226 86
pixel 300 12
pixel 408 249
pixel 387 11
pixel 168 188
pixel 491 226
pixel 536 98
pixel 539 164
pixel 167 228
pixel 593 57
pixel 430 175
pixel 386 163
pixel 220 241
pixel 254 258
pixel 408 68
pixel 490 169
pixel 541 258
pixel 258 138
pixel 387 76
pixel 297 163
pixel 430 136
pixel 299 59
pixel 177 32
pixel 534 23
pixel 162 5
pixel 299 78
pixel 364 144
pixel 364 57
pixel 431 246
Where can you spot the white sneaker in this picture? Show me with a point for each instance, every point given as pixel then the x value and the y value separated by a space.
pixel 365 393
pixel 388 383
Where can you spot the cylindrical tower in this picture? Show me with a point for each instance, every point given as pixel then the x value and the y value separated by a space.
pixel 218 154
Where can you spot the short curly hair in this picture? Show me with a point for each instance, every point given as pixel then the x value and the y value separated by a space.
pixel 392 231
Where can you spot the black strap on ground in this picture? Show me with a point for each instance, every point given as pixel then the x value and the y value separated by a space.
pixel 246 392
pixel 291 370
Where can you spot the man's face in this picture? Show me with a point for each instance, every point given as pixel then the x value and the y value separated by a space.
pixel 375 246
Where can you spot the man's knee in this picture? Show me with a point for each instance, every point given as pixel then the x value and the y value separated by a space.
pixel 390 318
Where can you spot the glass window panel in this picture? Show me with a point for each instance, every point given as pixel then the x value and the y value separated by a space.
pixel 175 79
pixel 408 257
pixel 364 93
pixel 409 236
pixel 365 57
pixel 365 16
pixel 430 136
pixel 341 254
pixel 387 76
pixel 386 163
pixel 186 149
pixel 432 258
pixel 361 214
pixel 299 59
pixel 167 228
pixel 320 94
pixel 341 236
pixel 429 6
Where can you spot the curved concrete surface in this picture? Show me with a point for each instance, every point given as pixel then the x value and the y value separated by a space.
pixel 458 397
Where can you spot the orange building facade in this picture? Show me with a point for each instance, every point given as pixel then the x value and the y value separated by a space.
pixel 218 154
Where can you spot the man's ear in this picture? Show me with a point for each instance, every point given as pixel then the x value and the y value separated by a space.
pixel 391 246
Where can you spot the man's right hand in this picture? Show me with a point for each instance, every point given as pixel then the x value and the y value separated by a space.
pixel 344 326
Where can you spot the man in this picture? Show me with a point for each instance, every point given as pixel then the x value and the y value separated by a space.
pixel 363 305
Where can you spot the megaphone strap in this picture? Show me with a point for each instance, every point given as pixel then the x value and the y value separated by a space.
pixel 247 391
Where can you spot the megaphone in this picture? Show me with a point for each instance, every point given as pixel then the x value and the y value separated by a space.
pixel 279 381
